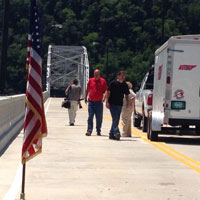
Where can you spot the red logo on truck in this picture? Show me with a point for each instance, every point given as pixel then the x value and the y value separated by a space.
pixel 186 67
pixel 179 94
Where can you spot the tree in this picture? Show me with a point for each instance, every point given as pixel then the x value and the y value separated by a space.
pixel 128 31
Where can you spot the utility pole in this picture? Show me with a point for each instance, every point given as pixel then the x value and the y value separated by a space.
pixel 165 7
pixel 106 47
pixel 106 70
pixel 4 47
pixel 163 22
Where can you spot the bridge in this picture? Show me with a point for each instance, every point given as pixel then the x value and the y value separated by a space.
pixel 64 63
pixel 75 166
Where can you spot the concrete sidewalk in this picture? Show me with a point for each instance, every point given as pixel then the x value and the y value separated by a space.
pixel 78 167
pixel 75 166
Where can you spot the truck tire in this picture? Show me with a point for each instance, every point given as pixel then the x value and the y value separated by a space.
pixel 136 120
pixel 144 123
pixel 148 125
pixel 151 135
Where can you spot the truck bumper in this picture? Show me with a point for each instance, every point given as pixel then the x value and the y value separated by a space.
pixel 176 122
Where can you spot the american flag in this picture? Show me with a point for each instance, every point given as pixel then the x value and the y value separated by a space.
pixel 34 122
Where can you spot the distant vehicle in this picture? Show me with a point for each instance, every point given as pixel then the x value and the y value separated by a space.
pixel 176 93
pixel 143 101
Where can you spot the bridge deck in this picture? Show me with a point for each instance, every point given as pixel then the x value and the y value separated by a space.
pixel 76 167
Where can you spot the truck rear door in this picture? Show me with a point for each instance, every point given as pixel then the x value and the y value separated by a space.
pixel 185 95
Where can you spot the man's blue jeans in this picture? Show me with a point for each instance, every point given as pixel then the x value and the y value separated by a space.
pixel 115 111
pixel 95 108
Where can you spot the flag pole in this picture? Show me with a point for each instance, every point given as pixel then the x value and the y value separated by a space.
pixel 22 195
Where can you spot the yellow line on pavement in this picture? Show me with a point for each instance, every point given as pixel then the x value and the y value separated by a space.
pixel 169 148
pixel 182 155
pixel 195 165
pixel 170 151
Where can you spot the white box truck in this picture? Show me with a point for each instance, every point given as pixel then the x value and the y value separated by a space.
pixel 176 93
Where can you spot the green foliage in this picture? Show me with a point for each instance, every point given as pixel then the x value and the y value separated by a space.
pixel 118 34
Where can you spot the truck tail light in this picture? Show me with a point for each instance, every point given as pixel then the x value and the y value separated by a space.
pixel 149 99
pixel 168 80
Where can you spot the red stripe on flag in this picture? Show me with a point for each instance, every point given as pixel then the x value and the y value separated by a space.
pixel 28 118
pixel 31 150
pixel 34 103
pixel 37 87
pixel 31 135
pixel 36 66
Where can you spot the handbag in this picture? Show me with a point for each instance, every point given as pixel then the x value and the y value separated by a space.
pixel 66 103
pixel 79 103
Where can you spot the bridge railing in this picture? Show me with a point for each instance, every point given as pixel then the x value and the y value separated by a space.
pixel 12 110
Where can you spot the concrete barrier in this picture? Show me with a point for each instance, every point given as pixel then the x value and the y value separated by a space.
pixel 12 109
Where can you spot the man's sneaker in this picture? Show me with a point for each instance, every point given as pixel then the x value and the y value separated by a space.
pixel 88 133
pixel 111 137
pixel 117 136
pixel 72 124
pixel 99 133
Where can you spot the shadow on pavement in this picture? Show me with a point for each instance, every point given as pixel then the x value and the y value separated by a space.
pixel 182 140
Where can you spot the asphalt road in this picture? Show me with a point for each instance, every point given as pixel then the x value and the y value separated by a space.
pixel 78 167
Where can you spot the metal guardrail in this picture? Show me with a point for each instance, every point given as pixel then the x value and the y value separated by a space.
pixel 12 110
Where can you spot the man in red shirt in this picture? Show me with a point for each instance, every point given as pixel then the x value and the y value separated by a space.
pixel 96 88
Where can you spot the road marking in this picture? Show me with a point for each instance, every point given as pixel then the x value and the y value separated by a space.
pixel 47 108
pixel 195 165
pixel 13 190
pixel 16 184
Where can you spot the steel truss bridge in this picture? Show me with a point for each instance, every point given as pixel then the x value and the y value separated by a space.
pixel 64 64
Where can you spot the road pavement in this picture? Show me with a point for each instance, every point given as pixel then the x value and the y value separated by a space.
pixel 78 167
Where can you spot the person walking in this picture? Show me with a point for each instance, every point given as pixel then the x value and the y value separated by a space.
pixel 114 101
pixel 96 89
pixel 127 112
pixel 73 93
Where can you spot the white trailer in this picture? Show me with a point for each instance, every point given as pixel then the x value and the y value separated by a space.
pixel 176 93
